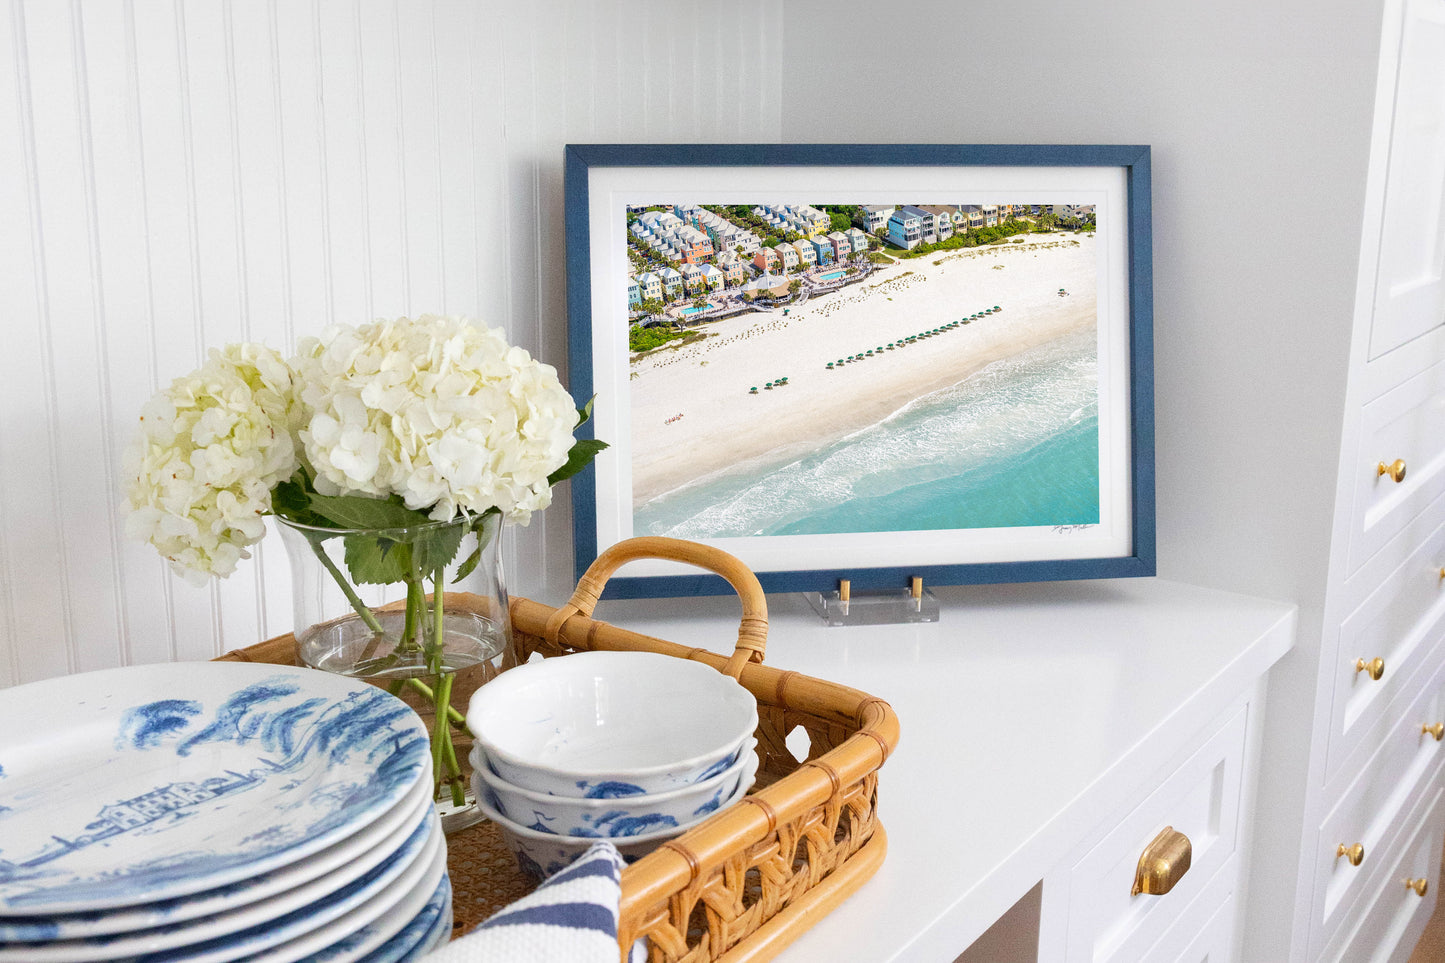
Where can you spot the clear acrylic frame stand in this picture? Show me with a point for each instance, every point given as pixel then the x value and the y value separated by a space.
pixel 889 607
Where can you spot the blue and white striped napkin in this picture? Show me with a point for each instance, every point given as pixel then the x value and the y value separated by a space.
pixel 570 918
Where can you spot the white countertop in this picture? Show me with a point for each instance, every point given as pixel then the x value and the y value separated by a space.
pixel 1014 709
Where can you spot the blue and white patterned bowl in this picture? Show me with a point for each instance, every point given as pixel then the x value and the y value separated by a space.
pixel 620 814
pixel 540 854
pixel 636 722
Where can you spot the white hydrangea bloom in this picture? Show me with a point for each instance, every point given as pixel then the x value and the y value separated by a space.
pixel 439 410
pixel 210 448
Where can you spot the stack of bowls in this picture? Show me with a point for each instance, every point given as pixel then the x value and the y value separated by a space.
pixel 636 747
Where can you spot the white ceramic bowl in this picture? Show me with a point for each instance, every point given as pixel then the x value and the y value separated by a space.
pixel 542 854
pixel 616 816
pixel 607 723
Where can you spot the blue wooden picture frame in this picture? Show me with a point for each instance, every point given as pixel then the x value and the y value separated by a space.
pixel 589 165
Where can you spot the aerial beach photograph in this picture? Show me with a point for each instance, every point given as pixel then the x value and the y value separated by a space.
pixel 929 373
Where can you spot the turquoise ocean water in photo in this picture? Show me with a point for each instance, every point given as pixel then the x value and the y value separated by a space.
pixel 1016 444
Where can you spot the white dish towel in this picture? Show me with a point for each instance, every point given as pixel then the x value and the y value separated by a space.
pixel 570 918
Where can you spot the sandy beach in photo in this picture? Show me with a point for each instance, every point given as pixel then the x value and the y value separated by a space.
pixel 723 428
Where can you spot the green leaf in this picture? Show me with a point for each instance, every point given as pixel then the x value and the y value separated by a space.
pixel 480 524
pixel 468 564
pixel 359 511
pixel 584 414
pixel 578 458
pixel 291 500
pixel 376 561
pixel 435 549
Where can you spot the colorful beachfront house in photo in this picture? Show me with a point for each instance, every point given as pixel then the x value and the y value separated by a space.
pixel 905 227
pixel 858 239
pixel 788 253
pixel 671 282
pixel 693 245
pixel 733 268
pixel 842 246
pixel 816 221
pixel 691 278
pixel 942 220
pixel 824 249
pixel 712 278
pixel 766 260
pixel 807 254
pixel 634 293
pixel 874 217
pixel 660 222
pixel 650 285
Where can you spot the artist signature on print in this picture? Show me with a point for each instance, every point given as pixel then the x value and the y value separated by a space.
pixel 1071 529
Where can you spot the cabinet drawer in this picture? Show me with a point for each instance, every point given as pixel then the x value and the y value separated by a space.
pixel 1402 425
pixel 1204 932
pixel 1393 917
pixel 1370 811
pixel 1400 624
pixel 1199 799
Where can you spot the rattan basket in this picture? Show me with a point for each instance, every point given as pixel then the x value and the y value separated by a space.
pixel 750 879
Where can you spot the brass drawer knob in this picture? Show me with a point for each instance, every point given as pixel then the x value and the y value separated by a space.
pixel 1421 886
pixel 1163 863
pixel 1437 730
pixel 1395 469
pixel 1375 668
pixel 1355 854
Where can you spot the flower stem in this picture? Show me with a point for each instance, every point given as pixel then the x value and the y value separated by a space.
pixel 361 609
pixel 444 754
pixel 438 616
pixel 425 691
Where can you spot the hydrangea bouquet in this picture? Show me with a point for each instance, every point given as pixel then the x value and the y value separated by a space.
pixel 394 440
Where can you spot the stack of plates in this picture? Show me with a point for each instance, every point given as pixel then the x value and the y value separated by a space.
pixel 216 811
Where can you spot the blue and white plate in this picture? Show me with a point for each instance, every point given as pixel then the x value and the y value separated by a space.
pixel 350 939
pixel 333 867
pixel 158 781
pixel 248 928
pixel 428 930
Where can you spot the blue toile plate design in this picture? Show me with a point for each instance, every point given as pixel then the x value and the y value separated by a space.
pixel 330 869
pixel 148 783
pixel 246 929
pixel 428 930
pixel 369 926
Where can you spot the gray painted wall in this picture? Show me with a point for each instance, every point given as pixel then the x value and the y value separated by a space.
pixel 1259 118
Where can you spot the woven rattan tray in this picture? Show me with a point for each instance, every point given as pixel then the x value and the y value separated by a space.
pixel 750 879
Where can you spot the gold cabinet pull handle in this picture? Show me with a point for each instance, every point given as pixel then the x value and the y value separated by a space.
pixel 1395 469
pixel 1421 886
pixel 1355 854
pixel 1375 668
pixel 1163 863
pixel 1437 730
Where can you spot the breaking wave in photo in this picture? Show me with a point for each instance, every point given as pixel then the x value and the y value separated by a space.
pixel 1016 444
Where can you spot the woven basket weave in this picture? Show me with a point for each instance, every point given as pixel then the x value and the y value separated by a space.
pixel 751 878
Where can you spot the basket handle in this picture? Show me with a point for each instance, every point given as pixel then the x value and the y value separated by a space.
pixel 752 632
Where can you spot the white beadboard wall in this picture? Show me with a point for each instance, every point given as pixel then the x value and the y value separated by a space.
pixel 179 174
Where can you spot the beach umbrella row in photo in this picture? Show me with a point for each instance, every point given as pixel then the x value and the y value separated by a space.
pixel 911 339
pixel 769 385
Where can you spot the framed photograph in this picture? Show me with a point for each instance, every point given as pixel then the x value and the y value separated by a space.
pixel 864 362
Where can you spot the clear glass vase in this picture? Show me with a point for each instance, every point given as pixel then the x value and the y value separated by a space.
pixel 365 606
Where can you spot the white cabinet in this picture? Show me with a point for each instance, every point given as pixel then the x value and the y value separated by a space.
pixel 1049 733
pixel 1109 921
pixel 1371 818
